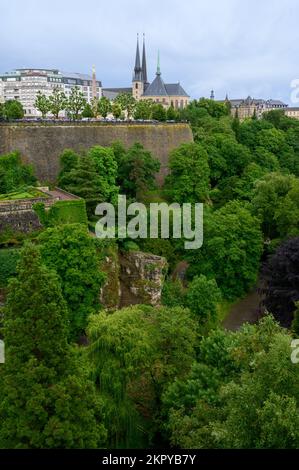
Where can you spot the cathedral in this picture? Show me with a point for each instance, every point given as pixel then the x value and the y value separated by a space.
pixel 167 94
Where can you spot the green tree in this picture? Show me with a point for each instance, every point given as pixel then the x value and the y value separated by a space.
pixel 272 140
pixel 87 111
pixel 275 117
pixel 227 158
pixel 46 397
pixel 159 112
pixel 2 112
pixel 244 187
pixel 143 109
pixel 68 161
pixel 275 203
pixel 236 125
pixel 42 104
pixel 83 181
pixel 71 251
pixel 106 168
pixel 57 102
pixel 232 398
pixel 232 251
pixel 266 159
pixel 104 107
pixel 116 110
pixel 13 109
pixel 127 103
pixel 75 103
pixel 172 114
pixel 14 174
pixel 173 294
pixel 213 108
pixel 202 298
pixel 188 180
pixel 287 213
pixel 136 170
pixel 137 352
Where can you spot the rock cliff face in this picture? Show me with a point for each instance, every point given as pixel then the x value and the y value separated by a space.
pixel 111 291
pixel 141 278
pixel 42 144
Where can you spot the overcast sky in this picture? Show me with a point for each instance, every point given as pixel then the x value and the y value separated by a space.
pixel 239 47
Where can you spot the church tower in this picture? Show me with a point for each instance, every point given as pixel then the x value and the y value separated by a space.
pixel 144 66
pixel 138 85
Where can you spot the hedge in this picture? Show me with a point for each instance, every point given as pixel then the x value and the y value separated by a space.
pixel 62 212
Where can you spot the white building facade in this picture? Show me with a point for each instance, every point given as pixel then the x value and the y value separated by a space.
pixel 24 84
pixel 1 92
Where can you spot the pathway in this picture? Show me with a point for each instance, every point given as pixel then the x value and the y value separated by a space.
pixel 246 310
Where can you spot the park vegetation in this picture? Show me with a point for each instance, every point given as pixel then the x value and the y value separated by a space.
pixel 78 375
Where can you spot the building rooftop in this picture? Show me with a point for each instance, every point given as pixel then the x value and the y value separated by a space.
pixel 47 72
pixel 77 76
pixel 112 93
pixel 175 89
pixel 156 88
pixel 258 101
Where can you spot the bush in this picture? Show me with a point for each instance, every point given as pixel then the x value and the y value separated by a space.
pixel 8 262
pixel 62 213
pixel 14 174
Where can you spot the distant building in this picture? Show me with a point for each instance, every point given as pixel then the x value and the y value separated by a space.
pixel 292 112
pixel 24 84
pixel 167 94
pixel 249 107
pixel 1 92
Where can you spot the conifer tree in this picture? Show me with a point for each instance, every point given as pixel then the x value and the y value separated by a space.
pixel 46 397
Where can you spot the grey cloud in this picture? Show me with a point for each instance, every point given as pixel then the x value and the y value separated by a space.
pixel 239 47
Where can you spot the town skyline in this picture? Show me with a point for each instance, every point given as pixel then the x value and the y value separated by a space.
pixel 233 50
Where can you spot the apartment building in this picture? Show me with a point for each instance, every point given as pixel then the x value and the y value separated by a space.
pixel 24 84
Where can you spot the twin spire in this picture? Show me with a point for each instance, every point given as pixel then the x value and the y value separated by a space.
pixel 140 71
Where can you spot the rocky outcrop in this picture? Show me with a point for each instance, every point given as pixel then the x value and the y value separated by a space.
pixel 141 278
pixel 111 291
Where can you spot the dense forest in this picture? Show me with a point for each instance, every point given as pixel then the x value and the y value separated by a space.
pixel 78 375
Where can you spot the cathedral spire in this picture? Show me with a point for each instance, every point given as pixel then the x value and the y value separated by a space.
pixel 144 67
pixel 137 69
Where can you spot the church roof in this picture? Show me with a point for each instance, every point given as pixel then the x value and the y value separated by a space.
pixel 156 88
pixel 112 93
pixel 175 89
pixel 159 88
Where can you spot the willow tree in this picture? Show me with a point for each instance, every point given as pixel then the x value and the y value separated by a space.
pixel 137 352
